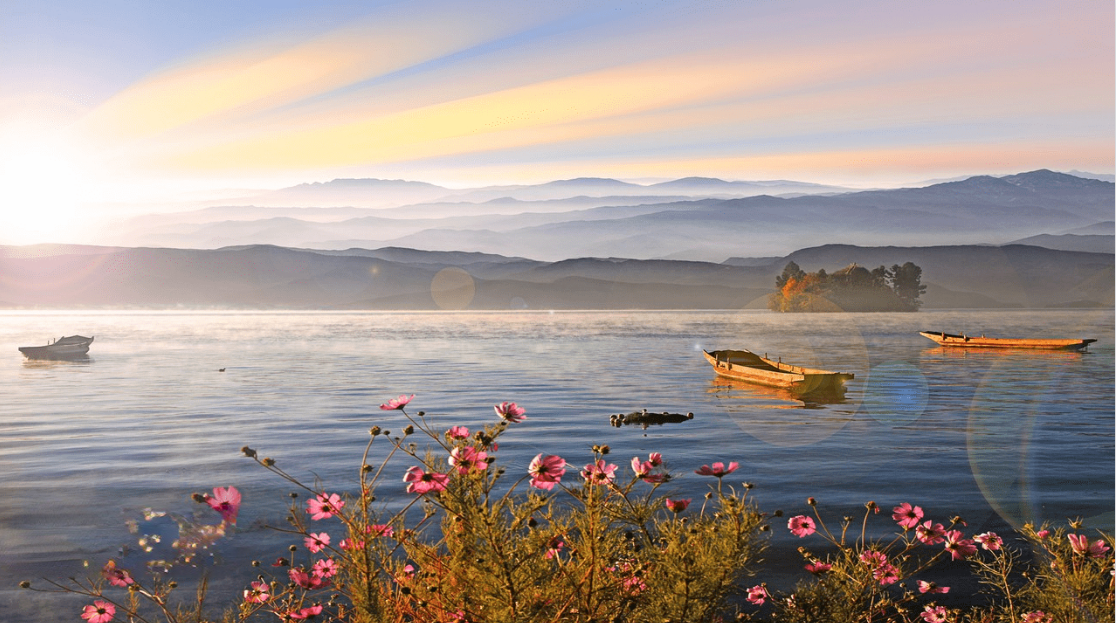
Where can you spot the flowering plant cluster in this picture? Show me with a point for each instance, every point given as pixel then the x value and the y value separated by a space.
pixel 471 542
pixel 885 580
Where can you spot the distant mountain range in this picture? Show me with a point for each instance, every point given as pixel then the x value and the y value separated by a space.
pixel 702 219
pixel 273 277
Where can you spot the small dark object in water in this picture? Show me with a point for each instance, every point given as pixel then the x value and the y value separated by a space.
pixel 221 370
pixel 645 419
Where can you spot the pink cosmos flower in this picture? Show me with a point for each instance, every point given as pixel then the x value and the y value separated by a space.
pixel 906 515
pixel 718 469
pixel 349 546
pixel 467 459
pixel 1042 534
pixel 930 587
pixel 801 526
pixel 633 585
pixel 259 593
pixel 324 506
pixel 115 576
pixel 676 506
pixel 958 547
pixel 307 579
pixel 655 459
pixel 873 558
pixel 599 473
pixel 1080 545
pixel 546 471
pixel 459 432
pixel 989 541
pixel 325 568
pixel 1038 616
pixel 757 595
pixel 397 403
pixel 882 569
pixel 226 502
pixel 317 542
pixel 886 574
pixel 99 612
pixel 554 545
pixel 306 613
pixel 645 471
pixel 929 533
pixel 423 482
pixel 511 412
pixel 380 530
pixel 935 614
pixel 817 567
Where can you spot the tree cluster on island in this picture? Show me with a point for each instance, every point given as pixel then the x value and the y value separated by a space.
pixel 851 289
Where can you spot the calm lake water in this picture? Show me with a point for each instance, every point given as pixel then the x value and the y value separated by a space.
pixel 1000 438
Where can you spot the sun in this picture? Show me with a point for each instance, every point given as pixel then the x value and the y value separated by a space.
pixel 43 187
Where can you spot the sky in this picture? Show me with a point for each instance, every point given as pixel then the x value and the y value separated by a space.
pixel 116 105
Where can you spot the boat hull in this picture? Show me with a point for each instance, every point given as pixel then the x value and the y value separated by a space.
pixel 743 365
pixel 72 347
pixel 966 341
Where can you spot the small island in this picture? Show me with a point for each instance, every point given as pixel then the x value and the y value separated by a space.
pixel 851 289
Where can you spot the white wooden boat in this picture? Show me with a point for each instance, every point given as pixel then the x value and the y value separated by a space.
pixel 67 347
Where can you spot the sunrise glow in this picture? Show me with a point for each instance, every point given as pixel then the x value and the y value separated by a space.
pixel 277 95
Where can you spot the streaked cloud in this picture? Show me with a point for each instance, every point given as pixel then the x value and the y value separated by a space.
pixel 480 91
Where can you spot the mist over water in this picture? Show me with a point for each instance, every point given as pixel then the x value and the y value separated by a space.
pixel 1000 438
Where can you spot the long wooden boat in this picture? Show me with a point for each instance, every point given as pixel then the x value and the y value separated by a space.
pixel 67 347
pixel 969 341
pixel 744 365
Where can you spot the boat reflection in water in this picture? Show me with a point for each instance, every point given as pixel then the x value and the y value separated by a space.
pixel 783 398
pixel 781 417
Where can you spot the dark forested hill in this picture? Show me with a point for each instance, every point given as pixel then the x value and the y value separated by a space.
pixel 272 277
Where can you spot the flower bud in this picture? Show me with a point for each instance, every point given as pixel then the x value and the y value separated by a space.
pixel 811 501
pixel 199 498
pixel 25 584
pixel 409 430
pixel 375 430
pixel 779 513
pixel 293 548
pixel 422 413
pixel 248 452
pixel 366 469
pixel 268 462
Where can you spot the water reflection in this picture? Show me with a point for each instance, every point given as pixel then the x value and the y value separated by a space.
pixel 1004 353
pixel 784 398
pixel 58 362
pixel 780 417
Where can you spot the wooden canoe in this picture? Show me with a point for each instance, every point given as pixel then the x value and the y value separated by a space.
pixel 968 341
pixel 744 365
